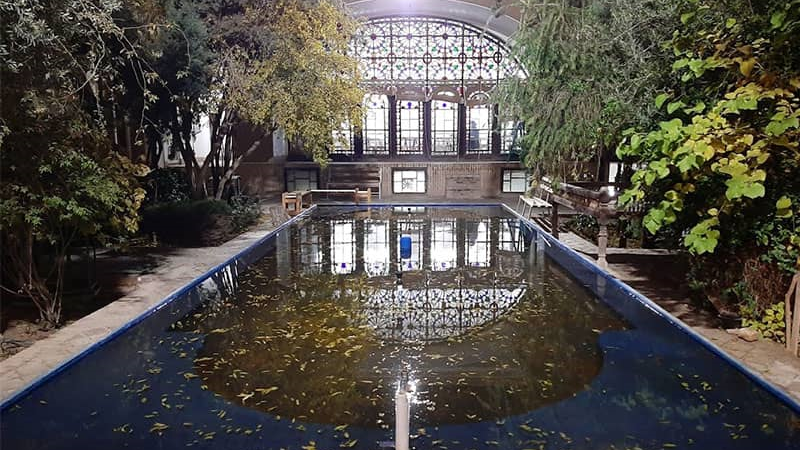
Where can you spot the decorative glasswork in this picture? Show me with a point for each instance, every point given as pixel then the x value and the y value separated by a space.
pixel 430 51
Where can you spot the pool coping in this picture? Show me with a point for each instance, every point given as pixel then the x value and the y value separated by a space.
pixel 597 270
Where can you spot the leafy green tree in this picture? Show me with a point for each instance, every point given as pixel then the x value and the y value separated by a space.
pixel 592 67
pixel 62 181
pixel 279 64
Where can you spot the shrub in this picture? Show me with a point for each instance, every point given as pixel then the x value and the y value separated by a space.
pixel 244 212
pixel 166 186
pixel 189 223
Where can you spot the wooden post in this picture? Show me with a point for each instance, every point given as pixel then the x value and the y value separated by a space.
pixel 554 220
pixel 792 315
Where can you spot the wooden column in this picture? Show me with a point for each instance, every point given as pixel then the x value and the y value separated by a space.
pixel 462 129
pixel 358 142
pixel 497 137
pixel 392 125
pixel 427 128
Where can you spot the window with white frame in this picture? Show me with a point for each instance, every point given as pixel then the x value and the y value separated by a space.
pixel 408 181
pixel 444 127
pixel 301 179
pixel 409 127
pixel 515 180
pixel 479 128
pixel 376 125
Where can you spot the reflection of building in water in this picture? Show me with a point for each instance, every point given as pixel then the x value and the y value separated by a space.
pixel 461 273
pixel 431 314
pixel 371 246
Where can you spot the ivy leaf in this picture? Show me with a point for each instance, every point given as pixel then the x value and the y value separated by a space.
pixel 780 123
pixel 743 187
pixel 660 99
pixel 784 205
pixel 686 17
pixel 672 107
pixel 777 19
pixel 697 109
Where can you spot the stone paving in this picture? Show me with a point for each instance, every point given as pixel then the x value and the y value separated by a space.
pixel 659 275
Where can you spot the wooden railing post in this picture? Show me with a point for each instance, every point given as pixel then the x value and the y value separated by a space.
pixel 554 220
pixel 792 315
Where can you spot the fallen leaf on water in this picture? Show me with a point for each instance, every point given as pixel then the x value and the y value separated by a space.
pixel 158 427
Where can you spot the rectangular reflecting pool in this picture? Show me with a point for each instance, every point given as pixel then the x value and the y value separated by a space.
pixel 496 335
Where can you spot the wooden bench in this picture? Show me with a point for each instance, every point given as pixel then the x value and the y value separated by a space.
pixel 529 203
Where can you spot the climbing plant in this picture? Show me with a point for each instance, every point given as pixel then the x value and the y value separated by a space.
pixel 715 161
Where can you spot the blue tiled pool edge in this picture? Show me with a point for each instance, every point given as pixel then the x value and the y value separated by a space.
pixel 646 302
pixel 674 321
pixel 15 397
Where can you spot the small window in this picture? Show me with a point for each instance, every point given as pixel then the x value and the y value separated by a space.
pixel 301 179
pixel 408 181
pixel 515 180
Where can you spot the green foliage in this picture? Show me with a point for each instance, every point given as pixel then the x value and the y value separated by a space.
pixel 738 158
pixel 60 179
pixel 244 212
pixel 770 325
pixel 592 68
pixel 166 186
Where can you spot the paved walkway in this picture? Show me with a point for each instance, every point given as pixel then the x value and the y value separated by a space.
pixel 660 275
pixel 179 268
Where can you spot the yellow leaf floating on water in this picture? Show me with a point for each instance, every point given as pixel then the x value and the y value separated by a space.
pixel 349 444
pixel 158 427
pixel 265 391
pixel 246 396
pixel 311 446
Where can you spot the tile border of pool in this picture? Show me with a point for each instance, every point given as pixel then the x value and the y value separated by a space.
pixel 664 314
pixel 597 270
pixel 17 396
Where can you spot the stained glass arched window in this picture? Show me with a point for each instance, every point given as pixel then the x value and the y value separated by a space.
pixel 430 51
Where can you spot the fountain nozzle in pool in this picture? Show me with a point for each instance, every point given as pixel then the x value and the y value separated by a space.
pixel 402 414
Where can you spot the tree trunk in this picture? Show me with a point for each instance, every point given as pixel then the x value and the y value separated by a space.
pixel 236 163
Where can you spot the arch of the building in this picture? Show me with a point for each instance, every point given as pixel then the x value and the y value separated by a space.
pixel 428 81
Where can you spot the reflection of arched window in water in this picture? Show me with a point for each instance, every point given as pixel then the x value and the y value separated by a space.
pixel 478 243
pixel 309 248
pixel 343 255
pixel 415 229
pixel 444 252
pixel 376 247
pixel 432 314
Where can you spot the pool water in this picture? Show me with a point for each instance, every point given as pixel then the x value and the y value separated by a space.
pixel 503 340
